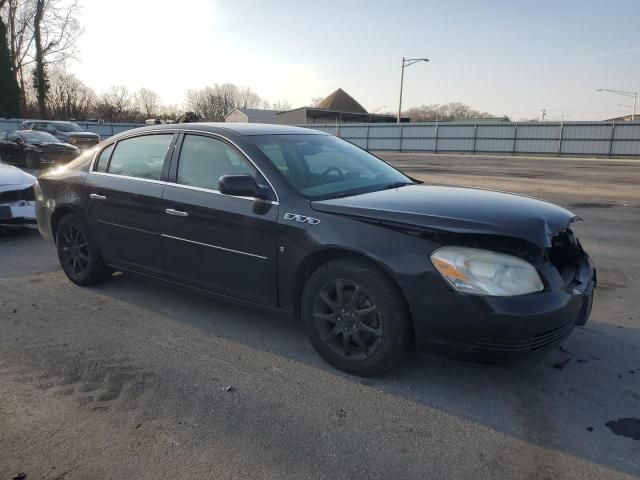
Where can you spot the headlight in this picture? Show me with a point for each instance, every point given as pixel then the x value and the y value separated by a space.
pixel 73 140
pixel 484 272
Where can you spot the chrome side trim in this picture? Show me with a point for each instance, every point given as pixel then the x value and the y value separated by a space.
pixel 127 227
pixel 218 192
pixel 148 180
pixel 173 132
pixel 215 246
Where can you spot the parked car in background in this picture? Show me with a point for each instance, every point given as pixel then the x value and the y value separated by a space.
pixel 34 149
pixel 300 220
pixel 17 201
pixel 68 132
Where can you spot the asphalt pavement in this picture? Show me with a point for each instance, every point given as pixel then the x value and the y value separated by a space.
pixel 138 379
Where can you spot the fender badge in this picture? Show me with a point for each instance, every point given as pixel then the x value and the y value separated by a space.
pixel 294 217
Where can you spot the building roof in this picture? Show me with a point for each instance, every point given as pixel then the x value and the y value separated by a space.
pixel 256 113
pixel 341 101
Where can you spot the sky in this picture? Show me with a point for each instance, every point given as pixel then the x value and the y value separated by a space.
pixel 505 57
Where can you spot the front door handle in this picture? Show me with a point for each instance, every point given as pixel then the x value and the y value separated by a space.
pixel 95 196
pixel 177 213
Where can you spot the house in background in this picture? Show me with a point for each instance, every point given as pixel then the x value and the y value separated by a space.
pixel 251 115
pixel 339 107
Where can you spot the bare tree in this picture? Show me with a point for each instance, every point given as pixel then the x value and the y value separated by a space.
pixel 214 103
pixel 315 101
pixel 115 104
pixel 55 31
pixel 68 97
pixel 444 113
pixel 148 102
pixel 281 105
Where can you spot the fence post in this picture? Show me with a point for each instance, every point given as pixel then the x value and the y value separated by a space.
pixel 475 136
pixel 613 132
pixel 560 139
pixel 515 139
pixel 435 143
pixel 367 139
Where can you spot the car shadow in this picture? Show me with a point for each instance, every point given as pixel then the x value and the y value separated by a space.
pixel 562 403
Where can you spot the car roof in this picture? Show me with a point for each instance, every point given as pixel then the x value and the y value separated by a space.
pixel 241 129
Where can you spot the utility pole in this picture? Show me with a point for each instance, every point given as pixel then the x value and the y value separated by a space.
pixel 406 62
pixel 544 113
pixel 624 93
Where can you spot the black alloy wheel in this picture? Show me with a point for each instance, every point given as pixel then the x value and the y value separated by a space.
pixel 75 249
pixel 355 316
pixel 32 161
pixel 78 254
pixel 348 319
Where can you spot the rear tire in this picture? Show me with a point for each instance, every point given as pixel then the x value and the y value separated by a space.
pixel 355 317
pixel 78 252
pixel 32 161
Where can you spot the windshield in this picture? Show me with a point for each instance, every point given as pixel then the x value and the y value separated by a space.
pixel 35 136
pixel 323 166
pixel 68 127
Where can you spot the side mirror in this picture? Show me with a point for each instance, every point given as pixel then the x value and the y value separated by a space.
pixel 243 185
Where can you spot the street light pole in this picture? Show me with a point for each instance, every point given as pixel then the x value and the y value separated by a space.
pixel 406 62
pixel 624 93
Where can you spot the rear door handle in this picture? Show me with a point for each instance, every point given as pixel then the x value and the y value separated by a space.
pixel 95 196
pixel 177 213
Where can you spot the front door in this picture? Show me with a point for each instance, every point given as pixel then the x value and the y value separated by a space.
pixel 125 201
pixel 213 241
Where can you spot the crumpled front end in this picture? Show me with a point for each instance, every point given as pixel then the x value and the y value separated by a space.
pixel 17 206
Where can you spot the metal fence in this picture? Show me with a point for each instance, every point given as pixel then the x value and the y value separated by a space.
pixel 546 138
pixel 103 129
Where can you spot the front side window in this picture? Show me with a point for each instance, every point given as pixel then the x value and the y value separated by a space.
pixel 43 127
pixel 140 157
pixel 323 166
pixel 203 160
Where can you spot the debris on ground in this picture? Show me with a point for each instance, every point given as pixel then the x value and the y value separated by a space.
pixel 20 476
pixel 227 388
pixel 560 364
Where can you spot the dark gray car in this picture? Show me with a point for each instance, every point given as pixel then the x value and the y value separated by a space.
pixel 68 132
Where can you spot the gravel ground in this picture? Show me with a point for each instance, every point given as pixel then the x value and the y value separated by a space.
pixel 136 379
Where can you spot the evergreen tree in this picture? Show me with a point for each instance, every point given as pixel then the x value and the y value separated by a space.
pixel 9 90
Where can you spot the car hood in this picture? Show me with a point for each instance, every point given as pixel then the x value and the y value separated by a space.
pixel 10 175
pixel 456 209
pixel 53 146
pixel 80 134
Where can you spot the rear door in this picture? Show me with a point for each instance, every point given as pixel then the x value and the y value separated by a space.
pixel 13 148
pixel 125 200
pixel 213 241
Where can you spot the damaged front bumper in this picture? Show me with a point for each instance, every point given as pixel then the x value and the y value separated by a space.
pixel 506 329
pixel 17 206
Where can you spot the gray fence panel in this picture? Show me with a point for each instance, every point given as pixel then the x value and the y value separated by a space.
pixel 548 138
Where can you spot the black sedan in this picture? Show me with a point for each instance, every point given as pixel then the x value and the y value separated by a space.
pixel 34 149
pixel 298 220
pixel 68 132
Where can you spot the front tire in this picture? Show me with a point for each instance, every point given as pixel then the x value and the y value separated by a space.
pixel 355 317
pixel 32 161
pixel 78 253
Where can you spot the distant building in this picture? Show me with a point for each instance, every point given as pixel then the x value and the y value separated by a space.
pixel 252 115
pixel 626 118
pixel 339 107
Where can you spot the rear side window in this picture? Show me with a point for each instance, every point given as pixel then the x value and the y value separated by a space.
pixel 140 157
pixel 203 160
pixel 103 159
